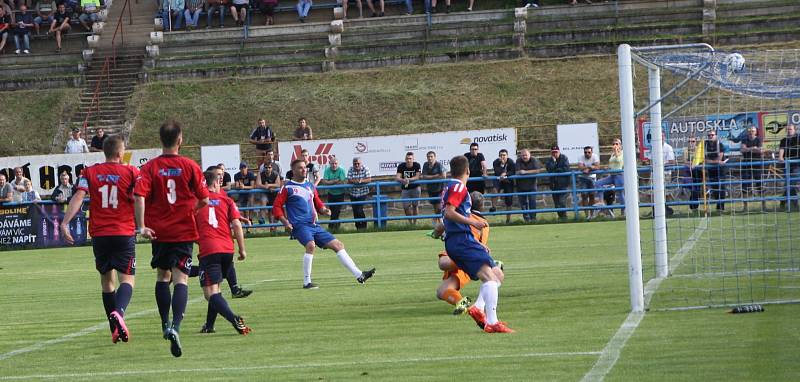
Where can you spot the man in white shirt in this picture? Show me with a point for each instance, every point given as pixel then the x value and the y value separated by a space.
pixel 76 144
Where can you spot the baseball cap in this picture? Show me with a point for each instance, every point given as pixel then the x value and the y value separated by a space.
pixel 242 165
pixel 554 148
pixel 76 130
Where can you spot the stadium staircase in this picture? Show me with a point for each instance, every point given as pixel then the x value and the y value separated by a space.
pixel 105 94
pixel 556 31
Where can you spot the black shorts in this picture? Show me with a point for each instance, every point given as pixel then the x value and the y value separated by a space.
pixel 214 267
pixel 239 7
pixel 115 252
pixel 267 10
pixel 172 255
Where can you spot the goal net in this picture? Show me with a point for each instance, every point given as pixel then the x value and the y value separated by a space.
pixel 716 223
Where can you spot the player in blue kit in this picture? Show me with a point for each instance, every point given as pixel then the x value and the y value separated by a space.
pixel 470 255
pixel 296 207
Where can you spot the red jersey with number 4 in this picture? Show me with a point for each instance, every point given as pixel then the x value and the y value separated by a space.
pixel 214 224
pixel 110 189
pixel 171 186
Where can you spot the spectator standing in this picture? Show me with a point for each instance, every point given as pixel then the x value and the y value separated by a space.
pixel 432 170
pixel 267 8
pixel 44 12
pixel 477 168
pixel 303 130
pixel 434 4
pixel 245 180
pixel 262 137
pixel 30 195
pixel 225 178
pixel 97 141
pixel 371 7
pixel 76 144
pixel 616 179
pixel 303 7
pixel 90 9
pixel 504 167
pixel 60 25
pixel 63 193
pixel 668 155
pixel 558 164
pixel 18 184
pixel 269 159
pixel 527 165
pixel 23 30
pixel 587 164
pixel 312 175
pixel 789 149
pixel 216 6
pixel 269 180
pixel 713 157
pixel 334 175
pixel 5 26
pixel 6 190
pixel 359 176
pixel 408 172
pixel 239 11
pixel 192 13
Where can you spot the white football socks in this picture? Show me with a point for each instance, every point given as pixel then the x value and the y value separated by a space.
pixel 307 260
pixel 489 294
pixel 348 263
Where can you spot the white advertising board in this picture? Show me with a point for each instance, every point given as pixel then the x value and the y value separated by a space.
pixel 43 170
pixel 382 154
pixel 225 154
pixel 574 137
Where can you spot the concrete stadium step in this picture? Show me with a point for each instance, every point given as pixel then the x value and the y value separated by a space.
pixel 233 70
pixel 424 47
pixel 202 36
pixel 44 70
pixel 242 57
pixel 36 59
pixel 419 32
pixel 537 21
pixel 436 19
pixel 267 42
pixel 498 53
pixel 620 34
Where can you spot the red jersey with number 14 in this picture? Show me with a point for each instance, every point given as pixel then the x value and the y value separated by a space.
pixel 110 189
pixel 214 224
pixel 171 186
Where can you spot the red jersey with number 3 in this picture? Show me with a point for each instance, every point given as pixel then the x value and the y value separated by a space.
pixel 171 186
pixel 110 189
pixel 214 224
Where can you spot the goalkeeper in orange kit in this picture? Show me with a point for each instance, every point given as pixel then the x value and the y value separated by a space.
pixel 454 279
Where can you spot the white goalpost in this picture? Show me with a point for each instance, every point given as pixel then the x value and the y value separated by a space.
pixel 729 256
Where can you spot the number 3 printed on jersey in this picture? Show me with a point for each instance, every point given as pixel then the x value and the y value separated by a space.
pixel 172 196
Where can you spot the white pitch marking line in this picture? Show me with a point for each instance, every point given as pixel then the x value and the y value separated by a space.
pixel 610 354
pixel 85 331
pixel 300 366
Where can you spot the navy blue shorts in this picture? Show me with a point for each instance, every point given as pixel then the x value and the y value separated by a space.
pixel 467 253
pixel 214 267
pixel 115 252
pixel 172 255
pixel 305 233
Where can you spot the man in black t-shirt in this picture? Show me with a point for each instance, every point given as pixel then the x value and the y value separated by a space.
pixel 714 157
pixel 432 170
pixel 408 172
pixel 97 141
pixel 790 150
pixel 477 168
pixel 245 180
pixel 262 137
pixel 751 148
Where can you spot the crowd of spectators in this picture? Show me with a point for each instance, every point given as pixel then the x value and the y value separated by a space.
pixel 19 21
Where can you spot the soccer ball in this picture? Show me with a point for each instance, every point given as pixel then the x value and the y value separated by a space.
pixel 734 62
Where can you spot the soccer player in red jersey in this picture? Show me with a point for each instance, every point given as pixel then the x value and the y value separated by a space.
pixel 214 223
pixel 111 225
pixel 170 190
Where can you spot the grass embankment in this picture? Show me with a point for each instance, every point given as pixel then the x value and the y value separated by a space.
pixel 521 93
pixel 29 119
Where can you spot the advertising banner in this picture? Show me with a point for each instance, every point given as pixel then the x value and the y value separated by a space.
pixel 225 154
pixel 679 131
pixel 43 170
pixel 382 154
pixel 573 138
pixel 36 226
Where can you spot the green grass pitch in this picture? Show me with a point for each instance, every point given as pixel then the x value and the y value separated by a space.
pixel 565 293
